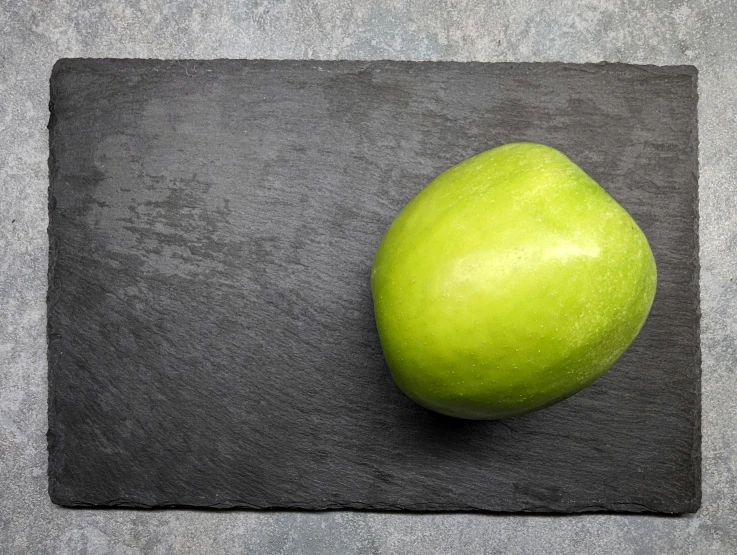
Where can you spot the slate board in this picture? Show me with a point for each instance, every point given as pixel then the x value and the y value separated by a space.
pixel 211 335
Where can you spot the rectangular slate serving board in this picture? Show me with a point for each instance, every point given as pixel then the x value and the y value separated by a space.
pixel 210 325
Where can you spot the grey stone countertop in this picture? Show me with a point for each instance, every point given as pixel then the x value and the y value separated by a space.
pixel 35 33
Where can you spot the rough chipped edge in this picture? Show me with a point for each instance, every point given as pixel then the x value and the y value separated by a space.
pixel 624 507
pixel 695 504
pixel 143 65
pixel 52 296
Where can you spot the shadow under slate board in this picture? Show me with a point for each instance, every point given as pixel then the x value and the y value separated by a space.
pixel 211 333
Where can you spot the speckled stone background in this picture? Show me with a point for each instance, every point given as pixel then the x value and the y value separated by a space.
pixel 34 33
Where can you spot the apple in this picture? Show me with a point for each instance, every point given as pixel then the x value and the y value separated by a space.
pixel 511 282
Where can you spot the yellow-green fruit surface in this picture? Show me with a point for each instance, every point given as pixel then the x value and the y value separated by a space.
pixel 512 281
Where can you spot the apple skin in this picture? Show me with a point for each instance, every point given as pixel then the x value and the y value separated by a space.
pixel 511 282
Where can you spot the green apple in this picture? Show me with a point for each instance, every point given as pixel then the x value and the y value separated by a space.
pixel 512 281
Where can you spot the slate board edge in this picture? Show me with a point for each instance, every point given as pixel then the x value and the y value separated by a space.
pixel 696 452
pixel 550 509
pixel 51 297
pixel 62 64
pixel 142 64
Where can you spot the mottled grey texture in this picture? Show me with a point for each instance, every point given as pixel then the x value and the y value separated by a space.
pixel 211 335
pixel 34 34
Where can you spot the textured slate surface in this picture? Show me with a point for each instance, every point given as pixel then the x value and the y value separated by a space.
pixel 211 339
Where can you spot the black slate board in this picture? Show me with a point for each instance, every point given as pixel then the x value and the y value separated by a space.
pixel 211 336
